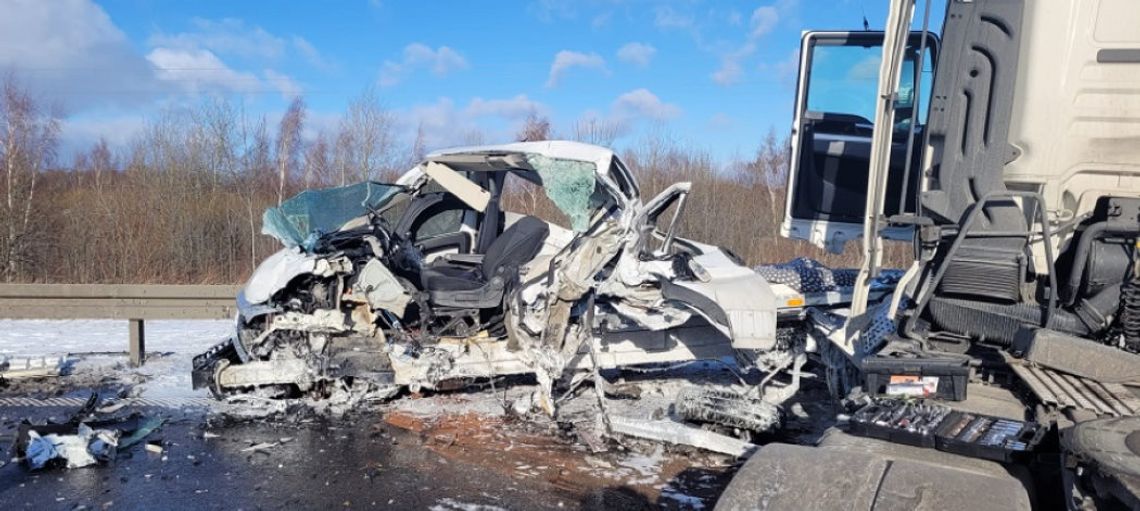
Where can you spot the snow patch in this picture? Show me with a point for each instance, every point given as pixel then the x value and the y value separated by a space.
pixel 97 342
pixel 446 504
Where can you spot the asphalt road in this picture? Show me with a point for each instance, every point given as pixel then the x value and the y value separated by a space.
pixel 362 462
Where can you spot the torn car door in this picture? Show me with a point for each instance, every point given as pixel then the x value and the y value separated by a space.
pixel 735 299
pixel 710 282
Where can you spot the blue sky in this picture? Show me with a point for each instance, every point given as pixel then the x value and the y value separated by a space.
pixel 712 75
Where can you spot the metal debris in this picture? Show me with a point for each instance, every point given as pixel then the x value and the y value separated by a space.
pixel 263 446
pixel 727 408
pixel 14 368
pixel 677 433
pixel 146 427
pixel 83 440
pixel 86 447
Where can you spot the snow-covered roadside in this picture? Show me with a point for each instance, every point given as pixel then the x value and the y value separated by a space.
pixel 35 337
pixel 166 376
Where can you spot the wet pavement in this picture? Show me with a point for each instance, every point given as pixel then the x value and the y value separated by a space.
pixel 468 449
pixel 364 461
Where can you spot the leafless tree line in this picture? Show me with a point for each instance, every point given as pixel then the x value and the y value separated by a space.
pixel 30 135
pixel 182 202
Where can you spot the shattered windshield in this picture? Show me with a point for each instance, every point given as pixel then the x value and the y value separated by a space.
pixel 301 220
pixel 571 185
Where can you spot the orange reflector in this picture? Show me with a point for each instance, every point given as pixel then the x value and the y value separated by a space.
pixel 795 302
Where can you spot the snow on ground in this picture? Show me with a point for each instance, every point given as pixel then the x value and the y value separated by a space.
pixel 447 504
pixel 94 345
pixel 35 337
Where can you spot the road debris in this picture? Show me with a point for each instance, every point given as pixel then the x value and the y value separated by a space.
pixel 727 408
pixel 84 448
pixel 146 427
pixel 83 440
pixel 261 447
pixel 682 434
pixel 13 368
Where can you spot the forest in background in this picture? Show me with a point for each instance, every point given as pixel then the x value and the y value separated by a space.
pixel 182 202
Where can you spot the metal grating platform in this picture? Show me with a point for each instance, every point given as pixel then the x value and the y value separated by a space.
pixel 1067 391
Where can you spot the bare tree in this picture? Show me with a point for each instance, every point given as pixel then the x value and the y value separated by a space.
pixel 594 130
pixel 29 144
pixel 318 163
pixel 256 158
pixel 536 127
pixel 289 143
pixel 366 139
pixel 212 134
pixel 474 136
pixel 419 147
pixel 101 161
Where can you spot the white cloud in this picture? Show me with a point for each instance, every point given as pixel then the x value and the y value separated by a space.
pixel 195 70
pixel 228 36
pixel 549 10
pixel 764 19
pixel 640 103
pixel 445 123
pixel 638 54
pixel 517 107
pixel 721 121
pixel 625 114
pixel 566 60
pixel 81 132
pixel 70 52
pixel 439 61
pixel 601 21
pixel 733 17
pixel 788 68
pixel 320 122
pixel 310 53
pixel 729 72
pixel 285 84
pixel 667 18
pixel 232 37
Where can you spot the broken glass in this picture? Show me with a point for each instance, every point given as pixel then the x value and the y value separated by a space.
pixel 570 184
pixel 304 218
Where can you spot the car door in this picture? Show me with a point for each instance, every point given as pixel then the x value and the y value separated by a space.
pixel 831 135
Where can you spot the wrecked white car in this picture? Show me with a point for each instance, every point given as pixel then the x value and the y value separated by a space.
pixel 427 282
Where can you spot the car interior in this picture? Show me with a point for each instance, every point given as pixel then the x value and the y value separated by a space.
pixel 462 260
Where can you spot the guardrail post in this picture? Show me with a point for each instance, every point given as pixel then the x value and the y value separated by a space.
pixel 138 342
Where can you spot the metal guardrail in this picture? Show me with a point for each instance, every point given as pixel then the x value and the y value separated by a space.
pixel 132 302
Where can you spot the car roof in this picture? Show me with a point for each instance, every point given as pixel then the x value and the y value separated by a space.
pixel 513 155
